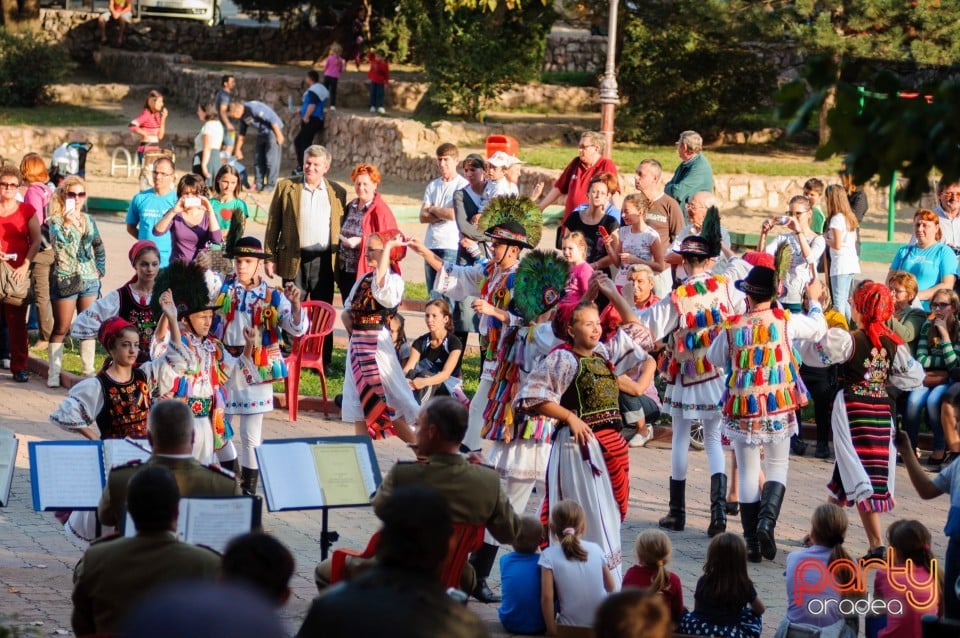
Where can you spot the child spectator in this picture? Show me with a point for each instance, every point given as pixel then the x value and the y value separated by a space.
pixel 638 242
pixel 633 613
pixel 333 66
pixel 520 581
pixel 379 75
pixel 122 12
pixel 916 588
pixel 575 569
pixel 575 252
pixel 841 237
pixel 813 190
pixel 653 553
pixel 725 602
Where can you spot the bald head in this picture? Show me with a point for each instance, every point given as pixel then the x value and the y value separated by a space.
pixel 697 206
pixel 170 426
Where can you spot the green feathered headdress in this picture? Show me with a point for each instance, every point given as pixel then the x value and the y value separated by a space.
pixel 189 288
pixel 502 211
pixel 539 283
pixel 781 264
pixel 711 231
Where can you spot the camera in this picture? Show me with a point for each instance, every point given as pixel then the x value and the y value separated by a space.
pixel 192 202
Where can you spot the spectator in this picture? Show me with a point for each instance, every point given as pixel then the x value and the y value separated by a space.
pixel 907 320
pixel 433 368
pixel 855 195
pixel 575 253
pixel 948 210
pixel 828 531
pixel 694 173
pixel 633 613
pixel 932 263
pixel 725 601
pixel 114 576
pixel 221 102
pixel 148 206
pixel 151 124
pixel 513 176
pixel 311 116
pixel 813 191
pixel 37 194
pixel 575 179
pixel 437 211
pixel 80 261
pixel 303 231
pixel 206 146
pixel 637 242
pixel 842 236
pixel 398 336
pixel 379 76
pixel 120 11
pixel 653 551
pixel 697 208
pixel 226 202
pixel 191 222
pixel 664 215
pixel 805 246
pixel 365 215
pixel 466 206
pixel 589 218
pixel 519 610
pixel 915 588
pixel 19 243
pixel 497 183
pixel 266 154
pixel 404 586
pixel 261 562
pixel 333 66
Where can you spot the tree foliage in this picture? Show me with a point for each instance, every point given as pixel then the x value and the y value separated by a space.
pixel 28 66
pixel 471 55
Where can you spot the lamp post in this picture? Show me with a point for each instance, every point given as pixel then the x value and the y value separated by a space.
pixel 609 97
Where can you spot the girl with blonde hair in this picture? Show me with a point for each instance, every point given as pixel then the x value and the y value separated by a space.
pixel 653 551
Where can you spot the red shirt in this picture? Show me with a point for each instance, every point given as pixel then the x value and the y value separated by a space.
pixel 15 233
pixel 574 181
pixel 379 72
pixel 641 576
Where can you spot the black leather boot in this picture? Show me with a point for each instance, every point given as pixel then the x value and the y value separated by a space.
pixel 677 517
pixel 718 504
pixel 482 561
pixel 770 501
pixel 748 517
pixel 249 478
pixel 229 465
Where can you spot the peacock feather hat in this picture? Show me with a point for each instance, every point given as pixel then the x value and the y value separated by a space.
pixel 711 231
pixel 539 283
pixel 512 220
pixel 187 284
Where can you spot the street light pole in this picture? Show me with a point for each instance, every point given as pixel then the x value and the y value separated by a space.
pixel 609 97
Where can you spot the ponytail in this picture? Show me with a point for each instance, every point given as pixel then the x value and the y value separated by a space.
pixel 567 520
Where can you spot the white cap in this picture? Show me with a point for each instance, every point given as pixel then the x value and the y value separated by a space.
pixel 501 160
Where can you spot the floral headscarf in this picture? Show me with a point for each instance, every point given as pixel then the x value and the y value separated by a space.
pixel 874 302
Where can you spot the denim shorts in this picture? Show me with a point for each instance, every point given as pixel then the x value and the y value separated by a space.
pixel 90 288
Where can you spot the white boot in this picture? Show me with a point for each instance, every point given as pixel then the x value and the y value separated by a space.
pixel 88 349
pixel 55 357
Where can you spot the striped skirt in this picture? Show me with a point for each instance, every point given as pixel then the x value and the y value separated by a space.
pixel 863 424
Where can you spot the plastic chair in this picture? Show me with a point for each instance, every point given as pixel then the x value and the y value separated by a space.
pixel 307 352
pixel 467 539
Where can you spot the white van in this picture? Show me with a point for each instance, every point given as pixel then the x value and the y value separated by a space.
pixel 207 11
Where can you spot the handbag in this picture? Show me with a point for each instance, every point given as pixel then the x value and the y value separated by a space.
pixel 13 292
pixel 70 285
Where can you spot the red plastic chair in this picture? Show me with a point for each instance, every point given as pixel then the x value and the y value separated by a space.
pixel 467 539
pixel 307 352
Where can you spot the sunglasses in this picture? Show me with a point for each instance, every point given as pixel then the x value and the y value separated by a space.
pixel 75 195
pixel 9 185
pixel 940 305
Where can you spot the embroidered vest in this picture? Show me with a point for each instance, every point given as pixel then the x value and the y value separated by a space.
pixel 702 306
pixel 264 316
pixel 365 311
pixel 594 394
pixel 865 374
pixel 140 316
pixel 125 406
pixel 763 387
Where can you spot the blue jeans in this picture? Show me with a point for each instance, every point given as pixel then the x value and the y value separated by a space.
pixel 951 573
pixel 266 160
pixel 840 286
pixel 449 257
pixel 926 399
pixel 376 95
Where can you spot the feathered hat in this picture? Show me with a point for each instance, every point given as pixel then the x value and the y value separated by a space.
pixel 505 217
pixel 711 232
pixel 187 284
pixel 781 264
pixel 540 281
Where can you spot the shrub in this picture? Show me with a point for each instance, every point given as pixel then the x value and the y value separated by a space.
pixel 28 67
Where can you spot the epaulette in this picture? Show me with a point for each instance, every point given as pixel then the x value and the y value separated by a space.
pixel 221 470
pixel 419 461
pixel 105 539
pixel 131 463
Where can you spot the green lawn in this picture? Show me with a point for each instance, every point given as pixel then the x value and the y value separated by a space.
pixel 769 160
pixel 58 115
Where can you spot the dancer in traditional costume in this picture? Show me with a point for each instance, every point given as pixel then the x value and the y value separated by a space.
pixel 762 393
pixel 577 385
pixel 869 358
pixel 692 316
pixel 247 301
pixel 376 396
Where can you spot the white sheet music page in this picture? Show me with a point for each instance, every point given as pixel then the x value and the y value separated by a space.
pixel 69 476
pixel 121 451
pixel 289 476
pixel 214 521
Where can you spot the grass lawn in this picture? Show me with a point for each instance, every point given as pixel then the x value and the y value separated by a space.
pixel 58 115
pixel 772 159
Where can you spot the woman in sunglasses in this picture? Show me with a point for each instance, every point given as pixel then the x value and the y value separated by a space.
pixel 79 261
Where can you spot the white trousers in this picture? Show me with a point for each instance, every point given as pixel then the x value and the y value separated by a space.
pixel 681 446
pixel 227 453
pixel 776 462
pixel 250 427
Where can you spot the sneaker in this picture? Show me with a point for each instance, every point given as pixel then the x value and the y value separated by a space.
pixel 381 110
pixel 5 364
pixel 332 108
pixel 21 376
pixel 823 451
pixel 641 440
pixel 373 109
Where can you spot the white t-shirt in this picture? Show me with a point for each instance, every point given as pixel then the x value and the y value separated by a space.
pixel 638 245
pixel 214 129
pixel 443 235
pixel 801 270
pixel 579 585
pixel 498 188
pixel 845 260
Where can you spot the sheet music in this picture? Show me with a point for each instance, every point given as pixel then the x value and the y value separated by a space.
pixel 122 451
pixel 366 468
pixel 68 476
pixel 8 463
pixel 213 522
pixel 339 474
pixel 289 477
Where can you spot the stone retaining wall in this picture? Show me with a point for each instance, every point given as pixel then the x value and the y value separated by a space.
pixel 575 52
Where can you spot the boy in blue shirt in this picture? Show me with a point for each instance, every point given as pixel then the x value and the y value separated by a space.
pixel 520 581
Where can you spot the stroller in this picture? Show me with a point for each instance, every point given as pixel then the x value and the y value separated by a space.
pixel 69 159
